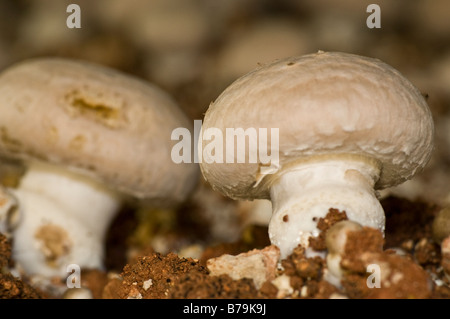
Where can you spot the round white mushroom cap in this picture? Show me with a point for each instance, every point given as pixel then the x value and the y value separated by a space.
pixel 327 104
pixel 97 121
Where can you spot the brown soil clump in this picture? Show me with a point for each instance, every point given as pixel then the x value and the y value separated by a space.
pixel 333 216
pixel 151 277
pixel 399 277
pixel 10 286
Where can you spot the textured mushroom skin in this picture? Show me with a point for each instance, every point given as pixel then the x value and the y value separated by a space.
pixel 324 104
pixel 96 121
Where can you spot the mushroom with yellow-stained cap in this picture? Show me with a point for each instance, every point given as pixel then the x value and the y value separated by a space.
pixel 89 137
pixel 347 126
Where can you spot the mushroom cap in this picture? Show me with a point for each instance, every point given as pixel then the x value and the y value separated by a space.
pixel 323 104
pixel 96 121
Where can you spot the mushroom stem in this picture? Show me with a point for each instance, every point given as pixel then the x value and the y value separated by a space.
pixel 64 220
pixel 304 193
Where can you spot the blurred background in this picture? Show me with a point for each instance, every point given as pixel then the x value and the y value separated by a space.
pixel 194 49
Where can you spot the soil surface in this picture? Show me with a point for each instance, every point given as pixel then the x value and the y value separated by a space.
pixel 411 265
pixel 211 246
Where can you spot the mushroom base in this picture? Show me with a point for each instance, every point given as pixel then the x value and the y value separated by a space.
pixel 305 193
pixel 64 218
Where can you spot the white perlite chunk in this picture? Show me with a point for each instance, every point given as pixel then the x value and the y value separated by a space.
pixel 259 265
pixel 283 284
pixel 147 284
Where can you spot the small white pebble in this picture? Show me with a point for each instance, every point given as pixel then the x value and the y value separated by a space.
pixel 283 283
pixel 439 282
pixel 304 291
pixel 134 293
pixel 147 284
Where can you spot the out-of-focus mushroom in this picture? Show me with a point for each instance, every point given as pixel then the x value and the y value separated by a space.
pixel 9 212
pixel 171 32
pixel 90 137
pixel 347 125
pixel 255 212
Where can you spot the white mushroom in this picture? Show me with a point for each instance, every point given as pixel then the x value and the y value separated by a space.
pixel 347 125
pixel 90 136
